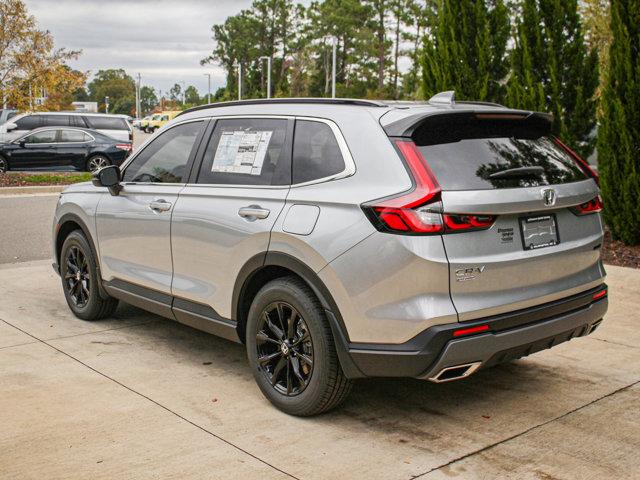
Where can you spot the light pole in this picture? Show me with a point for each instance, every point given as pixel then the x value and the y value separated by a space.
pixel 184 92
pixel 239 81
pixel 106 104
pixel 268 59
pixel 138 98
pixel 334 44
pixel 208 75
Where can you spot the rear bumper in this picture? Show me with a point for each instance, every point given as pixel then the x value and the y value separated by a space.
pixel 510 336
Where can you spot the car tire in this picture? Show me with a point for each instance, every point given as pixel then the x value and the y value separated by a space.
pixel 79 275
pixel 305 377
pixel 96 162
pixel 4 165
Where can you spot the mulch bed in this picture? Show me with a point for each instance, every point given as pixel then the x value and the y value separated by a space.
pixel 617 253
pixel 16 179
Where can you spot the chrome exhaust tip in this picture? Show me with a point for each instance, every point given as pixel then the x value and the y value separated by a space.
pixel 457 372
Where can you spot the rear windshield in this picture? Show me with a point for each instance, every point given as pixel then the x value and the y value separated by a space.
pixel 107 123
pixel 484 155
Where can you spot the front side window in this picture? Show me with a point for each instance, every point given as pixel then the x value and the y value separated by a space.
pixel 165 159
pixel 316 153
pixel 71 136
pixel 247 151
pixel 28 122
pixel 47 136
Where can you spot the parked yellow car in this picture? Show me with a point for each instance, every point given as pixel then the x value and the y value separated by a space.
pixel 159 120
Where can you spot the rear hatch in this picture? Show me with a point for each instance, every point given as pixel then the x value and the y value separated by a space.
pixel 519 210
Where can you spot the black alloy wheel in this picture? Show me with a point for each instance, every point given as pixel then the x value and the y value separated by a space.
pixel 78 277
pixel 285 348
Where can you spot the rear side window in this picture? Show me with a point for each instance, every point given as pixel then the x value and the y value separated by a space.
pixel 165 159
pixel 247 151
pixel 74 136
pixel 316 153
pixel 472 154
pixel 56 120
pixel 28 123
pixel 107 123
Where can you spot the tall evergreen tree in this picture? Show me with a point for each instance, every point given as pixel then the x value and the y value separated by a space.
pixel 465 50
pixel 619 132
pixel 553 70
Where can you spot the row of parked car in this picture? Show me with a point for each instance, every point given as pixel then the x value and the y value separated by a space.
pixel 153 122
pixel 84 141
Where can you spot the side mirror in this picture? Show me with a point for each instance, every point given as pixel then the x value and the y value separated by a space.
pixel 22 143
pixel 108 177
pixel 10 126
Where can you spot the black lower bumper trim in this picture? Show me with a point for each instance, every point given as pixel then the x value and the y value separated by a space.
pixel 418 355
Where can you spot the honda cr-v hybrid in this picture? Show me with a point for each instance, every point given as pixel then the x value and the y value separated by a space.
pixel 340 239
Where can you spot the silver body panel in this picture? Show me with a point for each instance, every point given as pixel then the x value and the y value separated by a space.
pixel 388 288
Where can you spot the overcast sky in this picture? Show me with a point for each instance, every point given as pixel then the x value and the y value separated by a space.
pixel 163 40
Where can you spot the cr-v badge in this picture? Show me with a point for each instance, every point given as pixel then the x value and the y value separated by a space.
pixel 465 274
pixel 548 196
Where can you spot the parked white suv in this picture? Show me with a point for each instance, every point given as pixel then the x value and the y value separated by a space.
pixel 114 126
pixel 340 239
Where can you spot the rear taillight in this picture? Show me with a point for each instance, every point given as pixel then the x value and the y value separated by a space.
pixel 592 206
pixel 419 211
pixel 584 166
pixel 124 146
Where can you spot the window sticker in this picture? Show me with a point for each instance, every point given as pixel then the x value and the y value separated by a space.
pixel 241 152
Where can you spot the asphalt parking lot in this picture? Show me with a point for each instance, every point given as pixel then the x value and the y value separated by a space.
pixel 138 396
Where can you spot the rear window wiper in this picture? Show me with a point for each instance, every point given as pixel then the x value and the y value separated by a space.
pixel 519 172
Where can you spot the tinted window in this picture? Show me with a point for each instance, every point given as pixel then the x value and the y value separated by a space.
pixel 28 123
pixel 469 154
pixel 55 120
pixel 74 136
pixel 48 136
pixel 165 159
pixel 11 115
pixel 107 123
pixel 247 151
pixel 78 121
pixel 316 153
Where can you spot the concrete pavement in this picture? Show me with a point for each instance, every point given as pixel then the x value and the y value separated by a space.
pixel 138 396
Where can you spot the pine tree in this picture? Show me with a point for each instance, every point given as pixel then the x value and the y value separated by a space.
pixel 466 49
pixel 619 132
pixel 553 70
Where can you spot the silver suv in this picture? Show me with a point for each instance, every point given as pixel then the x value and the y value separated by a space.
pixel 340 239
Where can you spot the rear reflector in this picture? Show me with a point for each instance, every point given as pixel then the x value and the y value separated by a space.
pixel 579 160
pixel 600 294
pixel 592 206
pixel 468 331
pixel 419 211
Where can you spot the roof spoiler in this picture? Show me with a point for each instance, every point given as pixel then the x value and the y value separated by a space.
pixel 407 126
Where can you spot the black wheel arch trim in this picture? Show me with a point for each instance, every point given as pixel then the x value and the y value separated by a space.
pixel 72 217
pixel 279 259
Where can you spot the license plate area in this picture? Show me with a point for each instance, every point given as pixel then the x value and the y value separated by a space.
pixel 539 231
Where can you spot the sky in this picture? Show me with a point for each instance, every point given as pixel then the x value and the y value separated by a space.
pixel 163 40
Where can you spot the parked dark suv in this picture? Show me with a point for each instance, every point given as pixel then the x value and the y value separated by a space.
pixel 340 239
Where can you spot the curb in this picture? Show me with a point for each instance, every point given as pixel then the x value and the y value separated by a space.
pixel 32 190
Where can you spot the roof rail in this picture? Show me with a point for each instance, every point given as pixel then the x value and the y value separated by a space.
pixel 264 101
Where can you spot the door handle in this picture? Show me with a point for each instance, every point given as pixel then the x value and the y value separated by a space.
pixel 160 206
pixel 253 212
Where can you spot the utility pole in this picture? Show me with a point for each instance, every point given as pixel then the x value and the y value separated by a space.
pixel 184 92
pixel 106 104
pixel 239 81
pixel 208 75
pixel 268 59
pixel 138 99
